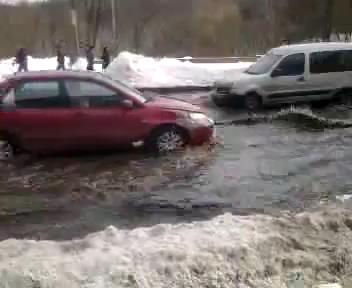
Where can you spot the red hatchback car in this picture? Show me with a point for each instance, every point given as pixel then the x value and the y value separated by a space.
pixel 45 112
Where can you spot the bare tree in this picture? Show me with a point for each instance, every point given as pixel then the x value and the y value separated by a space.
pixel 200 27
pixel 327 19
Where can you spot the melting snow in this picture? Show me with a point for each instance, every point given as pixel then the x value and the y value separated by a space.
pixel 256 251
pixel 8 66
pixel 144 71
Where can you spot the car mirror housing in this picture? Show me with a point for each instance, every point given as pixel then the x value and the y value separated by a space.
pixel 276 73
pixel 128 104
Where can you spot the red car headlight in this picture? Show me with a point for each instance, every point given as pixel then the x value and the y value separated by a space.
pixel 201 119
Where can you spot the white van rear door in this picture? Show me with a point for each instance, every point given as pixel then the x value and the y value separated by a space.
pixel 329 71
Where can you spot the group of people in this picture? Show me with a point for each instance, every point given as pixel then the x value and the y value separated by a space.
pixel 105 57
pixel 22 59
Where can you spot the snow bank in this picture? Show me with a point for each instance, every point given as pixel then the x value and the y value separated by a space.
pixel 144 71
pixel 7 66
pixel 254 251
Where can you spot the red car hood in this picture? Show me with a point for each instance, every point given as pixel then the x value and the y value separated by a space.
pixel 172 104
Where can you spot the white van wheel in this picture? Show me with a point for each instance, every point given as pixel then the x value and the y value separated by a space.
pixel 253 102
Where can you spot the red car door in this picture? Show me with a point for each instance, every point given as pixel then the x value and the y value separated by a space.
pixel 43 120
pixel 105 123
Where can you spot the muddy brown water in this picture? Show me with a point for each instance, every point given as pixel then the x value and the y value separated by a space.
pixel 263 168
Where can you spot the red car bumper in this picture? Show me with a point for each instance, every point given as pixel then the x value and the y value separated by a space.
pixel 201 135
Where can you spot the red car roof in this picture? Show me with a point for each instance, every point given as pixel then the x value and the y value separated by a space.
pixel 50 74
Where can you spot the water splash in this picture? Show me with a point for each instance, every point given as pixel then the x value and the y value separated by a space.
pixel 297 116
pixel 307 118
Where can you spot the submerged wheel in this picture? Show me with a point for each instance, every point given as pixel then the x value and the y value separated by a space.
pixel 220 101
pixel 7 150
pixel 253 102
pixel 167 139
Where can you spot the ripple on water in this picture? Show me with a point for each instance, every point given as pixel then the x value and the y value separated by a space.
pixel 264 167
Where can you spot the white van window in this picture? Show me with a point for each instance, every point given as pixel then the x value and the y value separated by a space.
pixel 292 65
pixel 264 64
pixel 331 61
pixel 347 60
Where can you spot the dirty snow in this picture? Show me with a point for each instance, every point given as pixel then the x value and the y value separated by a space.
pixel 8 66
pixel 144 71
pixel 256 251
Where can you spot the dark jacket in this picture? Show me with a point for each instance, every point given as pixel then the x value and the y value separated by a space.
pixel 21 56
pixel 60 57
pixel 106 58
pixel 90 56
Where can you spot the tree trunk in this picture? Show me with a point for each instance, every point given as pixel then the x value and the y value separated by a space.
pixel 97 22
pixel 327 21
pixel 137 35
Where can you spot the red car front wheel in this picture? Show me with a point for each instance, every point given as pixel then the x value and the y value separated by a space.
pixel 167 139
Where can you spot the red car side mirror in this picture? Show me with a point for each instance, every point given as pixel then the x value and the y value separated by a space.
pixel 127 104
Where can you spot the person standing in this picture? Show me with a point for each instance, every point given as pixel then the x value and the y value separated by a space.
pixel 105 57
pixel 90 58
pixel 60 56
pixel 285 42
pixel 22 60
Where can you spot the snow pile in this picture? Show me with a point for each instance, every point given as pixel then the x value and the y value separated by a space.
pixel 227 251
pixel 8 66
pixel 144 71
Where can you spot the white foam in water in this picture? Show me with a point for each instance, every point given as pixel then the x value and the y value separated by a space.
pixel 331 285
pixel 258 251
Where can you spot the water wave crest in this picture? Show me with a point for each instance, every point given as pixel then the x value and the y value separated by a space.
pixel 297 116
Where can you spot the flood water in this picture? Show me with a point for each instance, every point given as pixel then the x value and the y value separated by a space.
pixel 264 168
pixel 206 217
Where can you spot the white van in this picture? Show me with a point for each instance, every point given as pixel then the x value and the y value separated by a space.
pixel 292 74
